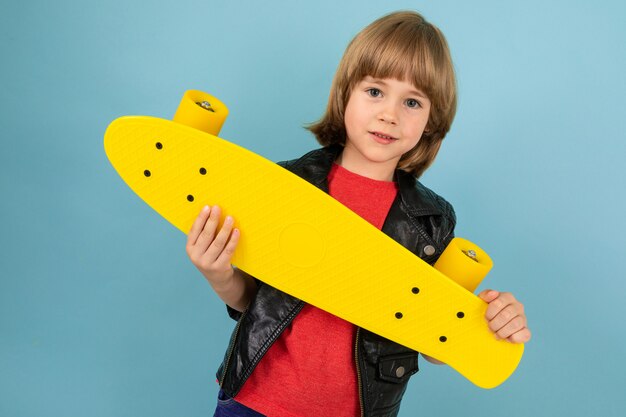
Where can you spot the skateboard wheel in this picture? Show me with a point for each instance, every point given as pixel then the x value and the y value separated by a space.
pixel 465 263
pixel 193 112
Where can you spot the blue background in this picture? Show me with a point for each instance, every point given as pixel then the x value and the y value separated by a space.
pixel 102 314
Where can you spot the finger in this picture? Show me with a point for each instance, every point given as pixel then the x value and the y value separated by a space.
pixel 208 232
pixel 198 225
pixel 503 317
pixel 227 254
pixel 488 295
pixel 220 241
pixel 498 304
pixel 512 327
pixel 522 336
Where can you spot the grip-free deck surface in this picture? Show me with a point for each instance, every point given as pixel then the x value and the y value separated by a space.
pixel 303 242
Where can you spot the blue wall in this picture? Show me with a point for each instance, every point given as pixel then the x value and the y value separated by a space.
pixel 102 314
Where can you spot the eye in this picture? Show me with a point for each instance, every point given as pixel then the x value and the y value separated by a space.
pixel 374 92
pixel 412 103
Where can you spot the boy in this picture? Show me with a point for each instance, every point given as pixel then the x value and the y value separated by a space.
pixel 391 104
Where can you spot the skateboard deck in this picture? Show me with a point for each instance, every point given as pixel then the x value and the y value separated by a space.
pixel 300 240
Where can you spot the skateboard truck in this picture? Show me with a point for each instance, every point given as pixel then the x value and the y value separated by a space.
pixel 471 253
pixel 205 105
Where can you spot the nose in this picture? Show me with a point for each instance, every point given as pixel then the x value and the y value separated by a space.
pixel 387 114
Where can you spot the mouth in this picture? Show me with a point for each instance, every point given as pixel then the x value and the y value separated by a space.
pixel 382 138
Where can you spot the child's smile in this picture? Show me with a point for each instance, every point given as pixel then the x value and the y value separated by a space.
pixel 382 138
pixel 384 119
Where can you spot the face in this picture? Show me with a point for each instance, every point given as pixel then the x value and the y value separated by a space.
pixel 384 119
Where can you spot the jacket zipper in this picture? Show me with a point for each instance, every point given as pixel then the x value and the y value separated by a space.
pixel 232 347
pixel 358 371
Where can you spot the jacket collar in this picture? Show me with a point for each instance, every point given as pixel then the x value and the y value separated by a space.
pixel 415 197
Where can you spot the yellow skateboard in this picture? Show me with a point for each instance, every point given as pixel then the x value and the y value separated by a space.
pixel 300 240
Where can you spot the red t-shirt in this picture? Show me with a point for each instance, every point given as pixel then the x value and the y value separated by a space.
pixel 310 371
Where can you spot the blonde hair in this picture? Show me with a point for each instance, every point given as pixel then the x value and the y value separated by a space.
pixel 401 45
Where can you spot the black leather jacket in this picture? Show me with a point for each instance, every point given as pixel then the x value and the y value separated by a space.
pixel 421 221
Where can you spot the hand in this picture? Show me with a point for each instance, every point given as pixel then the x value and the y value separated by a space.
pixel 211 250
pixel 505 316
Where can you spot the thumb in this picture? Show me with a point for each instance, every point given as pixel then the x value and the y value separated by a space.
pixel 488 295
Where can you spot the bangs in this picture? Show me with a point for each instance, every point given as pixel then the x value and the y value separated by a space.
pixel 407 52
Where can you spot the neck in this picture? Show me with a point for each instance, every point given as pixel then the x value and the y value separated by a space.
pixel 380 171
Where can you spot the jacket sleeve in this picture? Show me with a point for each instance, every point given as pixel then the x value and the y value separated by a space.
pixel 236 315
pixel 233 314
pixel 450 223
